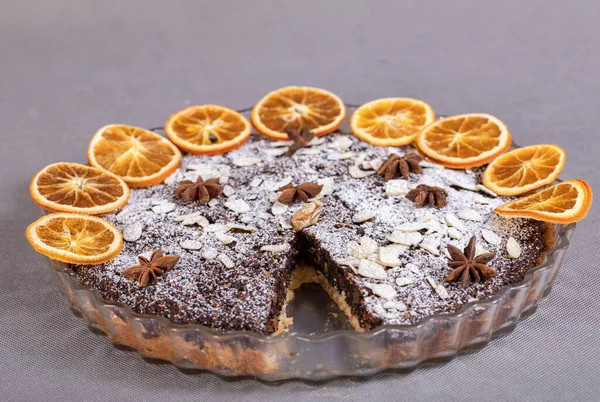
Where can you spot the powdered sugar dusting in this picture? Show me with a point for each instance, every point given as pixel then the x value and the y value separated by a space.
pixel 206 288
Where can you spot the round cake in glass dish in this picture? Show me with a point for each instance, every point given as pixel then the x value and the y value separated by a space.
pixel 375 222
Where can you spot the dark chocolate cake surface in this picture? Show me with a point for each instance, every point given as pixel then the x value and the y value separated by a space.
pixel 386 256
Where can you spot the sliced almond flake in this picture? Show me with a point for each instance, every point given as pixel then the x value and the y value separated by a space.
pixel 224 238
pixel 133 232
pixel 431 165
pixel 442 291
pixel 394 305
pixel 341 143
pixel 414 269
pixel 123 213
pixel 433 226
pixel 275 248
pixel 182 218
pixel 513 248
pixel 224 170
pixel 365 249
pixel 390 255
pixel 358 173
pixel 491 237
pixel 405 238
pixel 339 157
pixel 215 227
pixel 209 253
pixel 309 151
pixel 223 179
pixel 439 289
pixel 360 158
pixel 279 208
pixel 327 183
pixel 316 141
pixel 234 227
pixel 480 199
pixel 349 262
pixel 363 216
pixel 285 222
pixel 257 181
pixel 274 151
pixel 279 144
pixel 366 165
pixel 370 269
pixel 191 245
pixel 238 206
pixel 245 218
pixel 454 233
pixel 384 291
pixel 453 222
pixel 412 227
pixel 281 183
pixel 470 215
pixel 484 189
pixel 241 162
pixel 226 260
pixel 431 245
pixel 228 191
pixel 396 188
pixel 404 281
pixel 164 208
pixel 465 186
pixel 213 203
pixel 376 164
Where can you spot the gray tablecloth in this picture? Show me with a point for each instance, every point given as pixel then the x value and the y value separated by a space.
pixel 70 67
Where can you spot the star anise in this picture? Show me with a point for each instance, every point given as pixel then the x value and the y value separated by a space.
pixel 201 190
pixel 397 165
pixel 469 267
pixel 303 192
pixel 150 269
pixel 300 138
pixel 433 196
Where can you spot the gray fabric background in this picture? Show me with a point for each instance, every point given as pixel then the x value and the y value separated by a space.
pixel 69 67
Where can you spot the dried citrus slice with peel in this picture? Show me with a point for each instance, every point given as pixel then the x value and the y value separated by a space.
pixel 207 129
pixel 75 238
pixel 295 108
pixel 464 141
pixel 71 187
pixel 524 169
pixel 565 202
pixel 391 121
pixel 138 156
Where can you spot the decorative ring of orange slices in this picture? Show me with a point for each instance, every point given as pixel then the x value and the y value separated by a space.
pixel 565 202
pixel 524 169
pixel 295 108
pixel 391 121
pixel 71 187
pixel 140 157
pixel 464 141
pixel 75 238
pixel 208 129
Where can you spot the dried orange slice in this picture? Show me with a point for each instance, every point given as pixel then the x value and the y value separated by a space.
pixel 208 129
pixel 464 141
pixel 140 157
pixel 295 108
pixel 75 238
pixel 391 121
pixel 71 187
pixel 564 202
pixel 524 169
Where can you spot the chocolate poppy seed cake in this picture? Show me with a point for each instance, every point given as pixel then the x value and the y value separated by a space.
pixel 379 241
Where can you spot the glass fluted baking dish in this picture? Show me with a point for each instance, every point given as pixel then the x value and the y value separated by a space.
pixel 326 353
